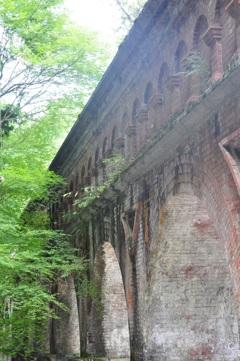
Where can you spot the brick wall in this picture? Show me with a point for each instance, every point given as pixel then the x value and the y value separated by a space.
pixel 172 217
pixel 108 333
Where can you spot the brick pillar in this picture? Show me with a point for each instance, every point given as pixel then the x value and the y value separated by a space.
pixel 119 146
pixel 130 132
pixel 212 38
pixel 143 119
pixel 173 85
pixel 233 8
pixel 156 117
pixel 66 327
pixel 194 77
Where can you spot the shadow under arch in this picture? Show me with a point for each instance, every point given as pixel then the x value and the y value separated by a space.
pixel 108 334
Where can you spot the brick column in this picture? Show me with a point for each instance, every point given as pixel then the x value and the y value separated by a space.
pixel 143 118
pixel 119 146
pixel 66 327
pixel 212 38
pixel 194 77
pixel 233 9
pixel 130 132
pixel 173 85
pixel 156 102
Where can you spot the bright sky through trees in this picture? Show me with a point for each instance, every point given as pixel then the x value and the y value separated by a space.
pixel 99 15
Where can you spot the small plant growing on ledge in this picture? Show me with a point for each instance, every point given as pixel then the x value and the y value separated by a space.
pixel 114 167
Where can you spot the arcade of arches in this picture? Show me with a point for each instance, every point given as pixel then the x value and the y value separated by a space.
pixel 158 144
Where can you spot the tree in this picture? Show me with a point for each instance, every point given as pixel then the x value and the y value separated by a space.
pixel 47 70
pixel 42 55
pixel 129 11
pixel 32 256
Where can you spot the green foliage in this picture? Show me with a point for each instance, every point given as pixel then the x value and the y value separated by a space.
pixel 196 64
pixel 32 256
pixel 48 68
pixel 43 55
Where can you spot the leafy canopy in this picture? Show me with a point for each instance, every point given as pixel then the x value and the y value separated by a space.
pixel 48 68
pixel 32 256
pixel 43 55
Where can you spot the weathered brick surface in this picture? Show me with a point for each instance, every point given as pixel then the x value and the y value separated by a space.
pixel 108 333
pixel 172 217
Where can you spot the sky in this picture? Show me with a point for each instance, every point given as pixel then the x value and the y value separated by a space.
pixel 98 15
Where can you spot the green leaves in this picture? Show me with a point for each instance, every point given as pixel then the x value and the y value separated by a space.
pixel 43 56
pixel 48 68
pixel 32 256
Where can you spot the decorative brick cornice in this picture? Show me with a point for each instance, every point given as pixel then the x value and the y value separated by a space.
pixel 213 34
pixel 119 143
pixel 130 130
pixel 156 99
pixel 142 115
pixel 233 8
pixel 173 81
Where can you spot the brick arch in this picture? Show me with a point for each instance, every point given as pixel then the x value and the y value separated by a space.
pixel 76 184
pixel 96 159
pixel 124 122
pixel 163 91
pixel 162 78
pixel 71 186
pixel 148 93
pixel 188 173
pixel 113 136
pixel 89 164
pixel 189 286
pixel 108 335
pixel 70 197
pixel 199 66
pixel 200 27
pixel 83 173
pixel 180 54
pixel 104 147
pixel 135 110
pixel 181 84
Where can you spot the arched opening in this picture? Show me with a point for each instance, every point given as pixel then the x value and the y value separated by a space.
pixel 104 156
pixel 200 28
pixel 163 75
pixel 89 167
pixel 148 93
pixel 108 334
pixel 162 89
pixel 113 137
pixel 191 313
pixel 184 82
pixel 181 52
pixel 96 166
pixel 82 174
pixel 124 124
pixel 82 180
pixel 198 63
pixel 135 110
pixel 71 196
pixel 76 181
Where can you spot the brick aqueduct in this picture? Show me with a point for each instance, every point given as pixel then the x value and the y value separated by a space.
pixel 160 225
